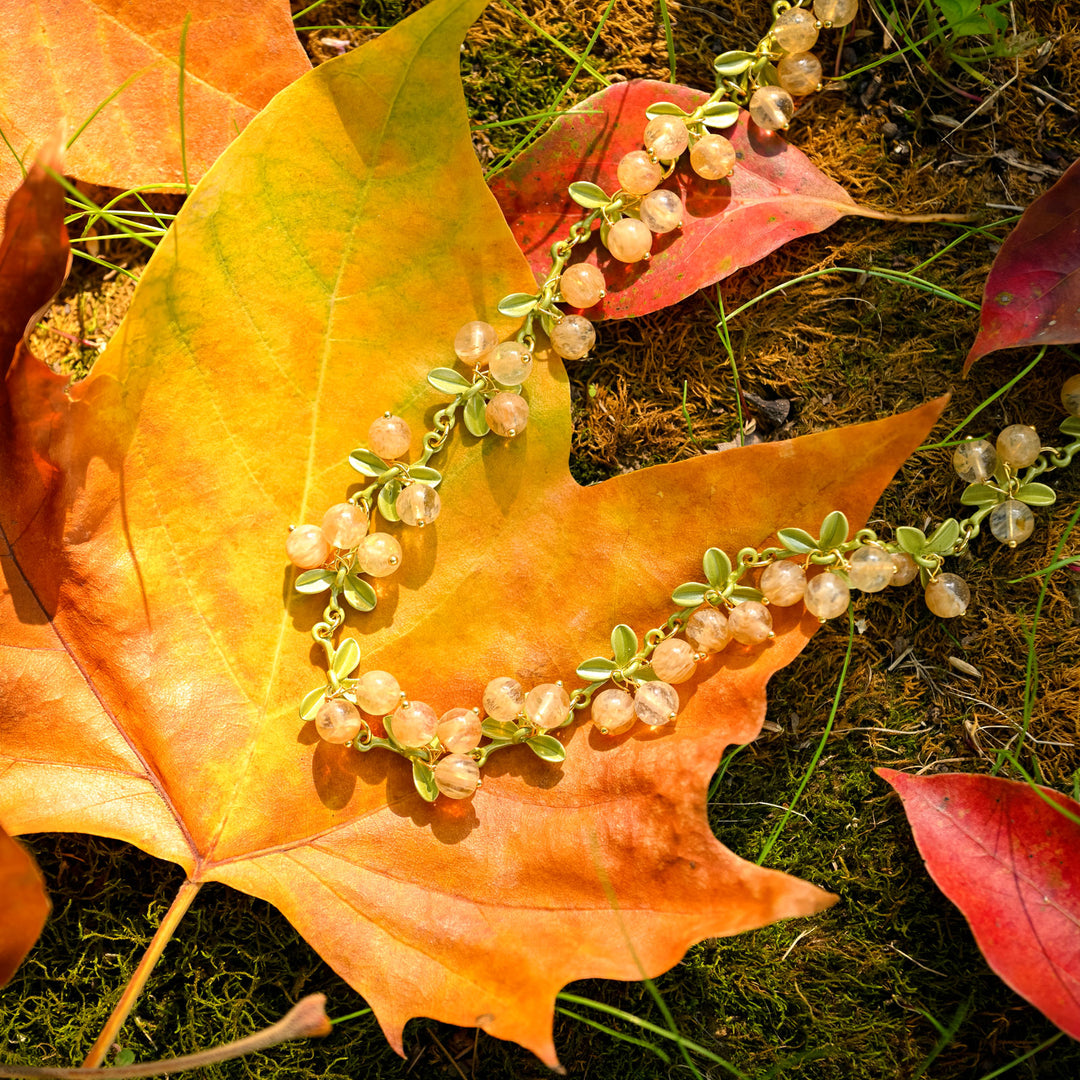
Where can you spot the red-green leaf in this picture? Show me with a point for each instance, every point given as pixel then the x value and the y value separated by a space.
pixel 1006 854
pixel 1032 296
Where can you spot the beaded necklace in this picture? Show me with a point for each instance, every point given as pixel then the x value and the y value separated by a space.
pixel 636 683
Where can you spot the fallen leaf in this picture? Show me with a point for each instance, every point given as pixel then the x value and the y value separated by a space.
pixel 61 60
pixel 1006 856
pixel 24 905
pixel 34 252
pixel 1032 294
pixel 774 195
pixel 311 281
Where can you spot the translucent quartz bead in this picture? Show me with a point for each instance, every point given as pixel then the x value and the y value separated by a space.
pixel 707 630
pixel 345 525
pixel 712 157
pixel 582 285
pixel 799 73
pixel 459 730
pixel 377 692
pixel 771 107
pixel 795 30
pixel 613 711
pixel 661 210
pixel 511 363
pixel 1012 522
pixel 418 504
pixel 474 342
pixel 456 776
pixel 827 595
pixel 507 414
pixel 414 723
pixel 974 461
pixel 750 623
pixel 389 437
pixel 871 568
pixel 380 554
pixel 1018 445
pixel 573 336
pixel 948 596
pixel 673 660
pixel 306 547
pixel 783 583
pixel 656 703
pixel 338 721
pixel 666 137
pixel 503 698
pixel 629 240
pixel 836 12
pixel 638 174
pixel 906 568
pixel 547 705
pixel 1070 395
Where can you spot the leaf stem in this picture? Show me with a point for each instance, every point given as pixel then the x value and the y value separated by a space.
pixel 136 983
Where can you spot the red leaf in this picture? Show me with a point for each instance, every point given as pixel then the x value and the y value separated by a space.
pixel 774 195
pixel 1003 854
pixel 1032 296
pixel 34 252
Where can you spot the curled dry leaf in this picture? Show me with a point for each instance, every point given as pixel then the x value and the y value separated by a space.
pixel 24 905
pixel 313 279
pixel 1005 853
pixel 1032 294
pixel 60 61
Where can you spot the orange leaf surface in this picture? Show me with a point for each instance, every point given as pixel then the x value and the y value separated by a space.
pixel 318 272
pixel 24 906
pixel 59 61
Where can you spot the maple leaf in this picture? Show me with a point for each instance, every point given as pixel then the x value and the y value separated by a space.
pixel 24 905
pixel 1032 293
pixel 774 195
pixel 1004 853
pixel 61 61
pixel 311 281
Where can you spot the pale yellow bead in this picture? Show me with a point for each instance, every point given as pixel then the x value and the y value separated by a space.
pixel 503 698
pixel 783 583
pixel 948 596
pixel 707 630
pixel 507 414
pixel 666 137
pixel 750 623
pixel 827 595
pixel 795 30
pixel 457 776
pixel 661 211
pixel 389 437
pixel 975 461
pixel 377 692
pixel 836 13
pixel 582 285
pixel 1070 395
pixel 511 363
pixel 547 705
pixel 712 157
pixel 638 174
pixel 1012 522
pixel 418 504
pixel 414 723
pixel 459 730
pixel 474 342
pixel 306 547
pixel 656 703
pixel 613 711
pixel 1018 445
pixel 673 660
pixel 338 721
pixel 799 73
pixel 871 569
pixel 573 336
pixel 345 525
pixel 380 555
pixel 629 240
pixel 771 108
pixel 905 569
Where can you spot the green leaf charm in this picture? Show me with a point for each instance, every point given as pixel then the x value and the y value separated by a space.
pixel 720 114
pixel 388 494
pixel 346 658
pixel 834 531
pixel 358 594
pixel 1036 495
pixel 730 64
pixel 624 644
pixel 423 777
pixel 367 463
pixel 475 419
pixel 311 703
pixel 717 567
pixel 910 539
pixel 499 729
pixel 798 541
pixel 314 581
pixel 547 747
pixel 664 108
pixel 981 495
pixel 690 595
pixel 591 196
pixel 426 475
pixel 448 381
pixel 598 669
pixel 517 305
pixel 943 538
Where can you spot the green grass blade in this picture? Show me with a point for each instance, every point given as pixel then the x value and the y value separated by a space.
pixel 669 39
pixel 108 100
pixel 180 100
pixel 579 60
pixel 618 1034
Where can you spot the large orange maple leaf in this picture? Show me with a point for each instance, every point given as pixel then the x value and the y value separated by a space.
pixel 152 652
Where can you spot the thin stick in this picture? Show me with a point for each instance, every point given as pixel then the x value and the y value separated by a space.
pixel 135 985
